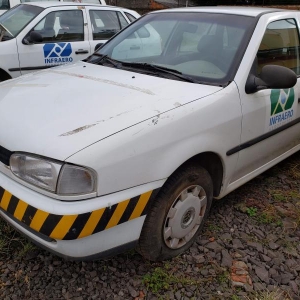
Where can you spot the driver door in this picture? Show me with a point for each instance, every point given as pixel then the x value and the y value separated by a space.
pixel 271 117
pixel 64 40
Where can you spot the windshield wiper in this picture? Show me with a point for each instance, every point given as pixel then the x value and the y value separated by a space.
pixel 105 58
pixel 152 67
pixel 142 66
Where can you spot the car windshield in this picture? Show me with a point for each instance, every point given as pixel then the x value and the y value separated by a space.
pixel 14 20
pixel 200 47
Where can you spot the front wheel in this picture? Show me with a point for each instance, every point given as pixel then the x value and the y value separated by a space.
pixel 177 215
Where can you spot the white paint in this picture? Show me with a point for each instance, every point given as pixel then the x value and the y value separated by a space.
pixel 135 130
pixel 15 54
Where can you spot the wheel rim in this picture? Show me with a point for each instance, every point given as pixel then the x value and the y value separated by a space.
pixel 185 216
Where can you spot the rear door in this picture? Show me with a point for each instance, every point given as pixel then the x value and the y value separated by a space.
pixel 103 24
pixel 64 39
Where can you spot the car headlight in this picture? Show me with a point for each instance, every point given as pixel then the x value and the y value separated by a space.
pixel 53 176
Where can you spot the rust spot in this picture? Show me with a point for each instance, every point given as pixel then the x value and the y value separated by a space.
pixel 77 130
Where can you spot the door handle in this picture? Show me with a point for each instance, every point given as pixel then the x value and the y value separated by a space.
pixel 135 47
pixel 299 100
pixel 81 51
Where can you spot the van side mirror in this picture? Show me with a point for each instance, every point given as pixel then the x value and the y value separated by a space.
pixel 271 77
pixel 33 38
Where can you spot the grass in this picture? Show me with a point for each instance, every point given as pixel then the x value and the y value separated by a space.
pixel 284 204
pixel 293 170
pixel 267 295
pixel 213 227
pixel 11 242
pixel 269 216
pixel 165 277
pixel 160 279
pixel 223 277
pixel 27 247
pixel 280 195
pixel 251 211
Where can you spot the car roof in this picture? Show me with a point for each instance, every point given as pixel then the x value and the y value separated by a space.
pixel 47 4
pixel 232 10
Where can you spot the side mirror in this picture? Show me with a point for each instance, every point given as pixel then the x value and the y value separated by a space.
pixel 271 77
pixel 33 38
pixel 98 46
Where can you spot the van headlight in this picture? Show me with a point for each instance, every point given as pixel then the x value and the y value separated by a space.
pixel 53 176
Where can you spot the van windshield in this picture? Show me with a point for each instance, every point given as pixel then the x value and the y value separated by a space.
pixel 14 20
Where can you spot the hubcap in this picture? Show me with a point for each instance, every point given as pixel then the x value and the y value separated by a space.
pixel 185 216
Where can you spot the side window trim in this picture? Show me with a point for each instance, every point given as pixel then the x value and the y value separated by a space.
pixel 120 23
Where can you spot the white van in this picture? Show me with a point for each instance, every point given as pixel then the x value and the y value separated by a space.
pixel 7 4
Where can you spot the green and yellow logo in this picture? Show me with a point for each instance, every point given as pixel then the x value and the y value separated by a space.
pixel 281 106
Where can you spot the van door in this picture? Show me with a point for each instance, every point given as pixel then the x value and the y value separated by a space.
pixel 64 39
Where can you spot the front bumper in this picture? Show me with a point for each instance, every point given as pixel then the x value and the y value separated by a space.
pixel 78 229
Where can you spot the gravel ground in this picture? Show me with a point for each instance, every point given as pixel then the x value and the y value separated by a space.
pixel 249 250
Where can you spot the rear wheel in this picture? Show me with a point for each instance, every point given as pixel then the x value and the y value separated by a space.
pixel 178 214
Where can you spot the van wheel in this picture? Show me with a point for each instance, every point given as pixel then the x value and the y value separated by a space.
pixel 177 215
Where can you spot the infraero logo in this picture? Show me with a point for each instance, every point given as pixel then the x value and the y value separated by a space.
pixel 282 110
pixel 57 53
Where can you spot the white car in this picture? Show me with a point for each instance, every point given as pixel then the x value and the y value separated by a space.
pixel 7 4
pixel 130 147
pixel 40 35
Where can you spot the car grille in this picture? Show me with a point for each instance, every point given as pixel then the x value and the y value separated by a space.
pixel 5 155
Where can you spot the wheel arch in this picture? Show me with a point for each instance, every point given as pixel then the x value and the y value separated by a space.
pixel 4 75
pixel 212 162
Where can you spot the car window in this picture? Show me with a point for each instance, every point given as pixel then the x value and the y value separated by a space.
pixel 122 20
pixel 17 18
pixel 105 23
pixel 130 17
pixel 280 46
pixel 4 4
pixel 65 25
pixel 196 44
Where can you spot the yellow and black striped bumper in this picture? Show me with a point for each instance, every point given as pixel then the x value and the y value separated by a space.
pixel 71 227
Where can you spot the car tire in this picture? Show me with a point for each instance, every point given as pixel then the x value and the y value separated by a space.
pixel 177 214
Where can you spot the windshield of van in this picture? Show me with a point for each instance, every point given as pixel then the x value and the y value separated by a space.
pixel 14 20
pixel 192 46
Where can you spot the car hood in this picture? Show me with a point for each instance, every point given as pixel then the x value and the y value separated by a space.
pixel 58 112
